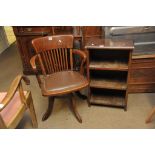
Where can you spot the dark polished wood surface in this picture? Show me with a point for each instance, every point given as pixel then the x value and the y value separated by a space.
pixel 109 44
pixel 142 77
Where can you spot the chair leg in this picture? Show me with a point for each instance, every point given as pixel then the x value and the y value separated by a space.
pixel 81 95
pixel 32 113
pixel 149 118
pixel 33 116
pixel 49 109
pixel 73 106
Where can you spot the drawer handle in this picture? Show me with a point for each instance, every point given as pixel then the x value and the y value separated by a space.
pixel 146 27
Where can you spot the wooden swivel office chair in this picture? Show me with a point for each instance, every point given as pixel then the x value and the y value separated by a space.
pixel 55 55
pixel 14 103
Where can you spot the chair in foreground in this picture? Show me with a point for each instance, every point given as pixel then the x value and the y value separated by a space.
pixel 14 103
pixel 55 56
pixel 150 116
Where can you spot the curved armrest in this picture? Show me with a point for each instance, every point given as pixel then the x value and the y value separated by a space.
pixel 81 53
pixel 33 63
pixel 12 90
pixel 84 58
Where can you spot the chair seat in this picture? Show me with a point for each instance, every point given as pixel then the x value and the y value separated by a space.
pixel 63 82
pixel 12 109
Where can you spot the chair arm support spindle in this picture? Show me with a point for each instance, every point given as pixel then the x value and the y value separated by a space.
pixel 84 58
pixel 33 63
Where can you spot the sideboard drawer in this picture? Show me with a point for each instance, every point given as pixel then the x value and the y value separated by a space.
pixel 141 88
pixel 143 63
pixel 145 75
pixel 33 30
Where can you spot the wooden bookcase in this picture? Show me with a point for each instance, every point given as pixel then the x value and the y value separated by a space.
pixel 108 71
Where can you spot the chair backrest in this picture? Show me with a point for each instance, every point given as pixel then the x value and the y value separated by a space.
pixel 54 53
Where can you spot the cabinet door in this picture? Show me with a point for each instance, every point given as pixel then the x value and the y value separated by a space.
pixel 26 51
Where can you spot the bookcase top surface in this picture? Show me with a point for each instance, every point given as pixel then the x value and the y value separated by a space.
pixel 97 43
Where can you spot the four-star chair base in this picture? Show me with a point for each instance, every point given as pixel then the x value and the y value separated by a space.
pixel 73 106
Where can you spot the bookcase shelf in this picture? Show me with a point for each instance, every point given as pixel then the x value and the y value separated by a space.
pixel 108 69
pixel 108 65
pixel 108 98
pixel 108 84
pixel 108 79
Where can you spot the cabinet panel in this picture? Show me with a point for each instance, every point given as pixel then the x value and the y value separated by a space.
pixel 26 52
pixel 143 75
pixel 141 88
pixel 143 63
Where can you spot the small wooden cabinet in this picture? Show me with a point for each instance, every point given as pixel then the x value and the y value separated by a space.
pixel 108 69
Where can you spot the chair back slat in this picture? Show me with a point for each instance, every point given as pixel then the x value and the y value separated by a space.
pixel 55 53
pixel 50 61
pixel 71 59
pixel 42 65
pixel 66 59
pixel 58 59
pixel 53 60
pixel 61 60
pixel 45 61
